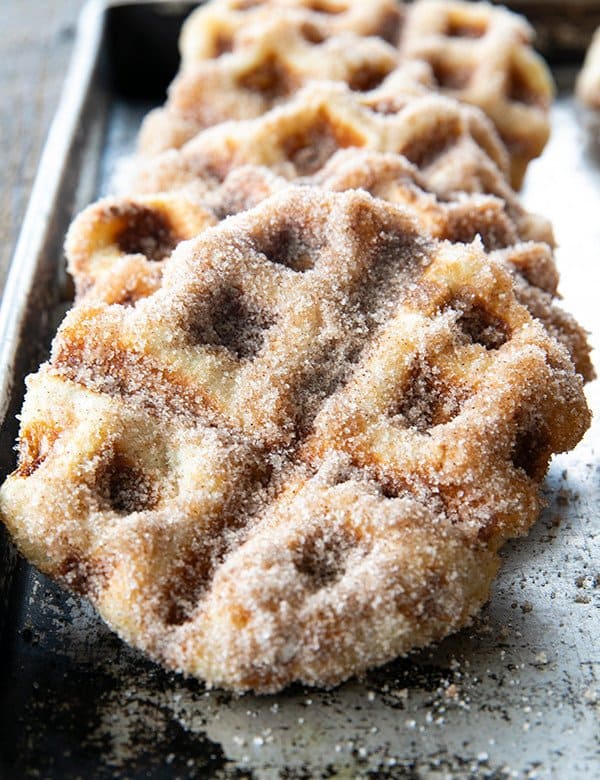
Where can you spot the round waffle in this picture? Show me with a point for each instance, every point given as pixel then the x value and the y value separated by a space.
pixel 240 58
pixel 299 457
pixel 483 55
pixel 105 269
pixel 223 26
pixel 130 235
pixel 269 70
pixel 451 144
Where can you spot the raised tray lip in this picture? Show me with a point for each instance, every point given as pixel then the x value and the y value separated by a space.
pixel 50 173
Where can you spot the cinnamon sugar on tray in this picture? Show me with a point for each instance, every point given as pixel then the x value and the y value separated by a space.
pixel 315 371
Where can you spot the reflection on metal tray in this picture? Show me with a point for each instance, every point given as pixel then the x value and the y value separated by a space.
pixel 517 695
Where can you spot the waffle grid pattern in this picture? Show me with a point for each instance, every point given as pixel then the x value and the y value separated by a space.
pixel 295 407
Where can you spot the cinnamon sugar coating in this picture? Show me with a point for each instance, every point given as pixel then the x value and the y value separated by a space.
pixel 269 70
pixel 287 445
pixel 299 457
pixel 483 55
pixel 153 225
pixel 480 203
pixel 450 143
pixel 223 26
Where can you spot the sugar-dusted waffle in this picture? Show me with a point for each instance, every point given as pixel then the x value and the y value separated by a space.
pixel 449 142
pixel 223 26
pixel 299 457
pixel 483 55
pixel 107 268
pixel 266 72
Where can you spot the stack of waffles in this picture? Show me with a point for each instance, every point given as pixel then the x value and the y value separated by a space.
pixel 316 370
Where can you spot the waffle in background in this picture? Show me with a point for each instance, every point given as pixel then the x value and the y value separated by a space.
pixel 484 56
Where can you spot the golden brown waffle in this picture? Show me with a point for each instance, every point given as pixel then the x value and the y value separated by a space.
pixel 135 234
pixel 299 458
pixel 223 26
pixel 117 246
pixel 269 70
pixel 109 268
pixel 450 143
pixel 130 235
pixel 483 55
pixel 588 80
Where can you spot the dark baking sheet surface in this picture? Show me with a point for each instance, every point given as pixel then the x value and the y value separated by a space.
pixel 516 695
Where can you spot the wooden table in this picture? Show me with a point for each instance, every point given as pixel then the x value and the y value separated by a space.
pixel 36 37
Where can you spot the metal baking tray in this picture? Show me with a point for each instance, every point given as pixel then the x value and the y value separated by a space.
pixel 515 695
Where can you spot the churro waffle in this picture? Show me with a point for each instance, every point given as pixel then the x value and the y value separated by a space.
pixel 129 235
pixel 588 80
pixel 483 55
pixel 223 26
pixel 266 72
pixel 107 268
pixel 450 143
pixel 240 58
pixel 299 458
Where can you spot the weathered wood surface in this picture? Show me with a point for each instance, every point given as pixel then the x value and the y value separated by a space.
pixel 36 38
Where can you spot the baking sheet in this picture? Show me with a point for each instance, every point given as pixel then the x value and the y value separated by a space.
pixel 515 695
